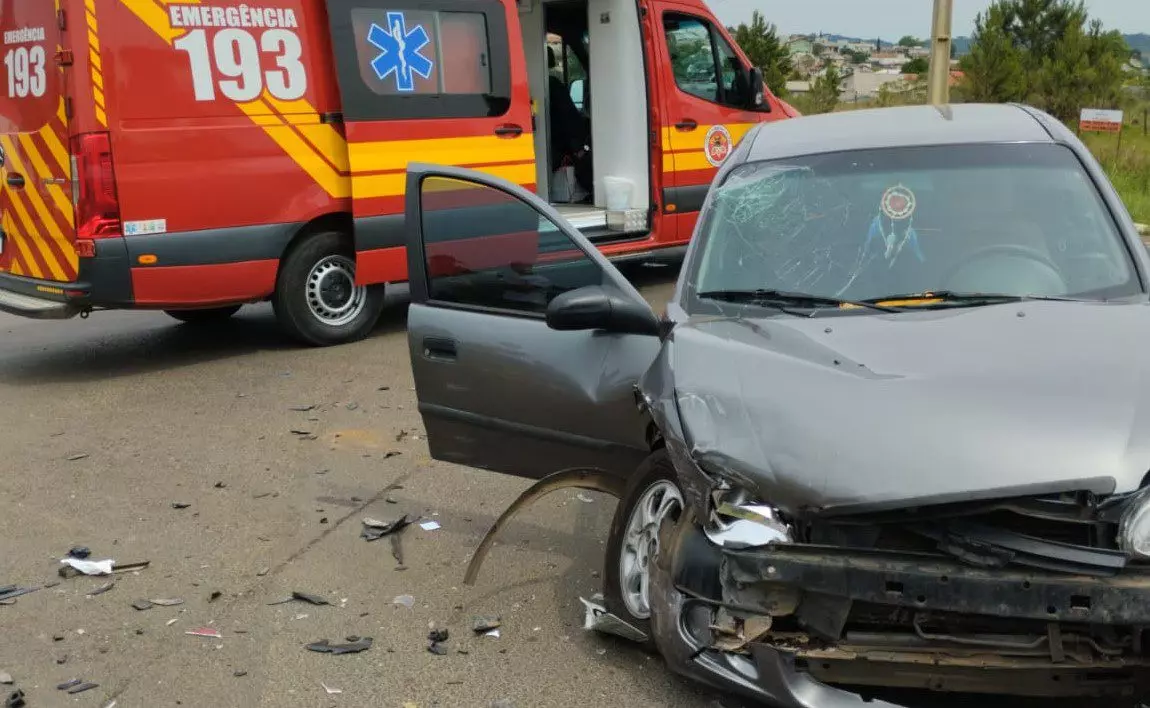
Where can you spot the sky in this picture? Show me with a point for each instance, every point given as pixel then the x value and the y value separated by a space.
pixel 892 19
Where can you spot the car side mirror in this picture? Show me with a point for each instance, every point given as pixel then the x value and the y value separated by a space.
pixel 755 97
pixel 597 307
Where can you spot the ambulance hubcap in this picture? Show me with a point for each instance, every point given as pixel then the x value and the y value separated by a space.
pixel 332 294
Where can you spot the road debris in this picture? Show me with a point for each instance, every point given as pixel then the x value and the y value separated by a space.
pixel 406 600
pixel 205 632
pixel 435 640
pixel 180 505
pixel 88 567
pixel 77 457
pixel 167 601
pixel 81 552
pixel 11 592
pixel 15 699
pixel 172 621
pixel 481 623
pixel 216 594
pixel 304 409
pixel 493 633
pixel 220 485
pixel 324 647
pixel 584 498
pixel 239 673
pixel 374 529
pixel 309 598
pixel 87 686
pixel 429 525
pixel 6 678
pixel 598 619
pixel 102 589
pixel 329 690
pixel 142 604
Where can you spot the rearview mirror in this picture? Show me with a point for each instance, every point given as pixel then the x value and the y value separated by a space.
pixel 596 307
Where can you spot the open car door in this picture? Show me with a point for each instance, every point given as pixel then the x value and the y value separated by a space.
pixel 526 344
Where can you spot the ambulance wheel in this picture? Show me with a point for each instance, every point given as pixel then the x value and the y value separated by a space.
pixel 212 314
pixel 316 298
pixel 652 497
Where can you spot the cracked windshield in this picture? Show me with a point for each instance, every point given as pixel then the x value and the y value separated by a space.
pixel 895 223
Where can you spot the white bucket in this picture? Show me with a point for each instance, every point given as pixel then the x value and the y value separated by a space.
pixel 618 192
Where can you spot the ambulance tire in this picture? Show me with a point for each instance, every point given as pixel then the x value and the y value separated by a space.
pixel 652 497
pixel 206 316
pixel 316 300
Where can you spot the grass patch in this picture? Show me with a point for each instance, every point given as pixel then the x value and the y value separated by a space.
pixel 1129 170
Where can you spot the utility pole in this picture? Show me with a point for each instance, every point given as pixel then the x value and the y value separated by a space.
pixel 938 83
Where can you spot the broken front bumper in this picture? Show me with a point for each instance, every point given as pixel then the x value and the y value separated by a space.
pixel 876 620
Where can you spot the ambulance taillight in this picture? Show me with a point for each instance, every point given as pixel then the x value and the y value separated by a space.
pixel 94 187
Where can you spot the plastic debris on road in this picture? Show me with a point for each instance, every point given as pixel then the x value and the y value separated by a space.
pixel 352 647
pixel 88 567
pixel 406 600
pixel 598 619
pixel 429 525
pixel 205 632
pixel 329 690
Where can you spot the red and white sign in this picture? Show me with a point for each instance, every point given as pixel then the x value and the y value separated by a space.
pixel 1096 120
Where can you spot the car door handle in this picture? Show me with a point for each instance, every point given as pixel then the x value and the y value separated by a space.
pixel 437 349
pixel 16 180
pixel 686 125
pixel 508 130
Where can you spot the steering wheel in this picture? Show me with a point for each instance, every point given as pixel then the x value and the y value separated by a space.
pixel 1006 249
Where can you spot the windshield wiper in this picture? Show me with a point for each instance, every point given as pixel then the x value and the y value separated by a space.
pixel 973 299
pixel 779 298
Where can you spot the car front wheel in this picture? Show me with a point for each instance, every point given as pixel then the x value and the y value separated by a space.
pixel 653 496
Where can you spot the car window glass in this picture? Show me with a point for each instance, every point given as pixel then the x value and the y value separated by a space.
pixel 1010 219
pixel 692 56
pixel 485 248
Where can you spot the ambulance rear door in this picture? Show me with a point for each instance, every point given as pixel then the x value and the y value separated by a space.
pixel 439 81
pixel 38 239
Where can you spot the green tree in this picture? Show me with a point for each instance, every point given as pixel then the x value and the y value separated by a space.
pixel 760 40
pixel 855 57
pixel 918 65
pixel 909 41
pixel 824 95
pixel 1047 53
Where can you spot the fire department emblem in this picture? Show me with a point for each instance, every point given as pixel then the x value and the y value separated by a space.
pixel 717 144
pixel 898 203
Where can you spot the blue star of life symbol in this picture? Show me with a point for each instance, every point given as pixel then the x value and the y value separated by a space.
pixel 400 51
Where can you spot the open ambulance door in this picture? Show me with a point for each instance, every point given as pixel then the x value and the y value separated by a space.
pixel 708 105
pixel 440 81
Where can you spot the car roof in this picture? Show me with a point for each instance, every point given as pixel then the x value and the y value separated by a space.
pixel 896 127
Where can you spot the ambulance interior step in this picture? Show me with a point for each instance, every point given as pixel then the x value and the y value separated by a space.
pixel 596 221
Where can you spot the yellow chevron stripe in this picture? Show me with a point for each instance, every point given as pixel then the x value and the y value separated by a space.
pixel 393 185
pixel 396 154
pixel 63 203
pixel 47 221
pixel 62 114
pixel 21 242
pixel 94 60
pixel 59 152
pixel 324 138
pixel 290 142
pixel 33 240
pixel 154 17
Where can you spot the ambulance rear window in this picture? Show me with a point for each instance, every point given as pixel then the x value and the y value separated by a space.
pixel 446 59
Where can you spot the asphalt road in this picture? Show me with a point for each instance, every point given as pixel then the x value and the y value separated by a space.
pixel 105 423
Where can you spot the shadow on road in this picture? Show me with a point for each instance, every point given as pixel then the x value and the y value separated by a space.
pixel 115 344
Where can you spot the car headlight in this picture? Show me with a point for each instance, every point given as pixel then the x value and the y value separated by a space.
pixel 736 522
pixel 1134 528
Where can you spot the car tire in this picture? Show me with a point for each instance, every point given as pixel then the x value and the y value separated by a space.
pixel 633 543
pixel 206 316
pixel 316 300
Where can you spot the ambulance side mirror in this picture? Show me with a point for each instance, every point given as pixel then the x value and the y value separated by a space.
pixel 757 88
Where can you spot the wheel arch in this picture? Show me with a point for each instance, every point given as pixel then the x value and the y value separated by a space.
pixel 340 222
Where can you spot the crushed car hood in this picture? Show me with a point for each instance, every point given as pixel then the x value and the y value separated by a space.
pixel 884 410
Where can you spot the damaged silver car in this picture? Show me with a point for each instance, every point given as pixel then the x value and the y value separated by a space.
pixel 892 431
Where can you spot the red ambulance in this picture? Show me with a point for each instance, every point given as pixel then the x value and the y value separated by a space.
pixel 194 156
